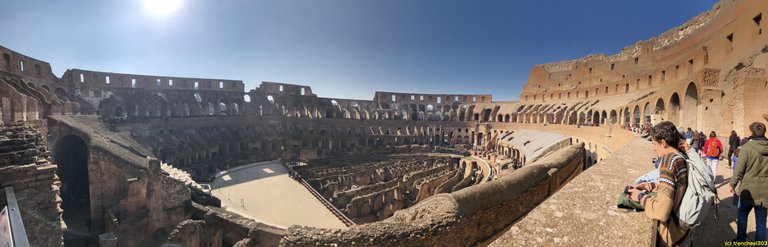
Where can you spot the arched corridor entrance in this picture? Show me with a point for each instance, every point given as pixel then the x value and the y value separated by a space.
pixel 626 117
pixel 690 104
pixel 674 109
pixel 660 108
pixel 647 113
pixel 636 117
pixel 71 156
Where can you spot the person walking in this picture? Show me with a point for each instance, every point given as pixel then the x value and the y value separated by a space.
pixel 697 141
pixel 733 144
pixel 713 149
pixel 752 173
pixel 689 136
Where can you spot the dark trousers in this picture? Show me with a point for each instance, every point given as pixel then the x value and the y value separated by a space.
pixel 730 154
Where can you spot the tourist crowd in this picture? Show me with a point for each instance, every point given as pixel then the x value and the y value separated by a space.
pixel 679 193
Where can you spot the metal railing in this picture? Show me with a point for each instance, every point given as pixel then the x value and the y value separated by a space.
pixel 12 217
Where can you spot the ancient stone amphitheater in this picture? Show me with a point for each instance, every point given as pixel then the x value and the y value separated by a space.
pixel 110 159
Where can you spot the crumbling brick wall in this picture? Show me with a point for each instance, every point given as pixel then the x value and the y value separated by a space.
pixel 215 227
pixel 25 165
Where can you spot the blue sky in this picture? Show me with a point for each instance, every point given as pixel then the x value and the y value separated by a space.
pixel 341 48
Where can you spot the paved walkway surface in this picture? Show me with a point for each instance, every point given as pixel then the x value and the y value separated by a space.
pixel 584 212
pixel 266 194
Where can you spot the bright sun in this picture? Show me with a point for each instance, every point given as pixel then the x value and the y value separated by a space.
pixel 161 7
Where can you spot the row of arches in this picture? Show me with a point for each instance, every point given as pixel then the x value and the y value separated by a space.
pixel 682 111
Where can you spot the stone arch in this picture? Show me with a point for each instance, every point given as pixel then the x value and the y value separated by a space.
pixel 674 108
pixel 71 154
pixel 235 109
pixel 572 118
pixel 596 118
pixel 647 113
pixel 61 93
pixel 636 116
pixel 603 117
pixel 659 109
pixel 627 117
pixel 690 105
pixel 613 117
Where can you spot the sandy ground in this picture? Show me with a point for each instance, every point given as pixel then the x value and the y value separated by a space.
pixel 266 193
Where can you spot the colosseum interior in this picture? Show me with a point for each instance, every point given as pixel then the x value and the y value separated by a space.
pixel 109 159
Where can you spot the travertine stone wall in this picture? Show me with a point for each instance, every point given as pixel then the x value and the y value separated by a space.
pixel 25 165
pixel 694 75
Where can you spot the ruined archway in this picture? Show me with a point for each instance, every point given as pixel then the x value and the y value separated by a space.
pixel 71 155
pixel 572 118
pixel 596 118
pixel 647 113
pixel 674 108
pixel 613 116
pixel 61 93
pixel 626 117
pixel 690 103
pixel 604 117
pixel 636 116
pixel 660 107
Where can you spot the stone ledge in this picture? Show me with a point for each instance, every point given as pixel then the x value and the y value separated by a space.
pixel 584 212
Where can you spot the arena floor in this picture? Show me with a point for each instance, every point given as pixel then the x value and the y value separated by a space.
pixel 265 193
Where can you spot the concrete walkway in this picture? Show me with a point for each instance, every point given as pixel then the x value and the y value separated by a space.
pixel 266 194
pixel 584 212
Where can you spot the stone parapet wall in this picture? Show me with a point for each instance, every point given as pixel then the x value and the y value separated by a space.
pixel 25 166
pixel 461 218
pixel 213 227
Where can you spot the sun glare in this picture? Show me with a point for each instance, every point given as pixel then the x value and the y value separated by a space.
pixel 161 7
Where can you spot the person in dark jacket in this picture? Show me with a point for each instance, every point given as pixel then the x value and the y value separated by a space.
pixel 733 144
pixel 689 136
pixel 750 181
